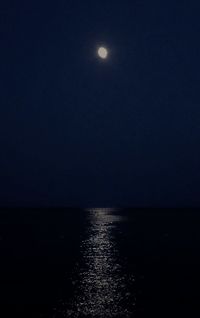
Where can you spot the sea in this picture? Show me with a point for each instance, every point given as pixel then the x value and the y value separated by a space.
pixel 99 262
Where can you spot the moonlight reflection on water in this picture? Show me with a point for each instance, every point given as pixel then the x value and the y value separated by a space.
pixel 102 289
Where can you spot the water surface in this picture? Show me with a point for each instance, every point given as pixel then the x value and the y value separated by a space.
pixel 99 263
pixel 101 281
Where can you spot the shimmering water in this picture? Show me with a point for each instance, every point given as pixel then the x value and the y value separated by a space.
pixel 101 282
pixel 61 263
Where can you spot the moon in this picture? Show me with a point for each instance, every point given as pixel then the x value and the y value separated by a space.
pixel 102 52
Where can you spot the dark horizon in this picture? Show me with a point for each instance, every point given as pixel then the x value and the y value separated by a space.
pixel 91 207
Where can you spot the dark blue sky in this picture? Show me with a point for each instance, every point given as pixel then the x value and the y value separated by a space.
pixel 78 131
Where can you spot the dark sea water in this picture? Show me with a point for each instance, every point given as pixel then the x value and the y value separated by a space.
pixel 99 263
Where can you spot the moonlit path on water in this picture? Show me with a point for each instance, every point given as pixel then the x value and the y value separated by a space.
pixel 101 286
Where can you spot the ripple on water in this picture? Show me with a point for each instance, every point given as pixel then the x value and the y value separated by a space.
pixel 102 285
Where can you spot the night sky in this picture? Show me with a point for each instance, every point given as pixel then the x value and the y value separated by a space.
pixel 78 130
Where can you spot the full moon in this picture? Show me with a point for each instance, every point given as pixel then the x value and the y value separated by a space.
pixel 102 52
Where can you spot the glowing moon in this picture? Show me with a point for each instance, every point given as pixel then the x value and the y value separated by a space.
pixel 102 52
